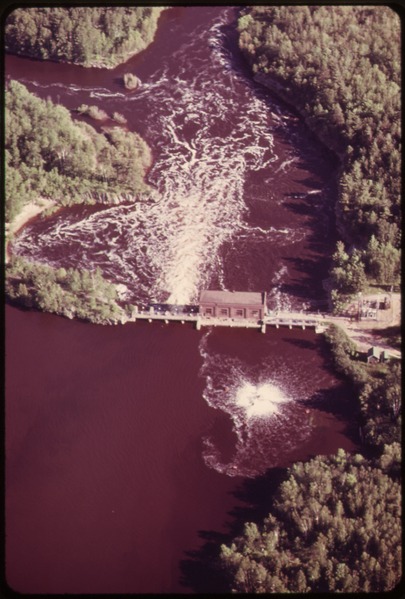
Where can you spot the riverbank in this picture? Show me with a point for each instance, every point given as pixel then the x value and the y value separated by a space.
pixel 91 37
pixel 280 91
pixel 127 56
pixel 362 333
pixel 365 334
pixel 143 415
pixel 357 121
pixel 29 211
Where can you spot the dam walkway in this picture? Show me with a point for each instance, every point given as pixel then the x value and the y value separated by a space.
pixel 277 319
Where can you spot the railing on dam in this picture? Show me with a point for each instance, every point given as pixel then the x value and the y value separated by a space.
pixel 183 314
pixel 166 312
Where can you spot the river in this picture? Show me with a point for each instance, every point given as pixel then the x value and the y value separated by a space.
pixel 129 446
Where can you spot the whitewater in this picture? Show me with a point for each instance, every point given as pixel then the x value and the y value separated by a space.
pixel 212 138
pixel 168 248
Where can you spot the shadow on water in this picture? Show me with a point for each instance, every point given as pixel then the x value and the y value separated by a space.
pixel 202 571
pixel 341 403
pixel 314 157
pixel 310 287
pixel 321 237
pixel 231 45
pixel 302 343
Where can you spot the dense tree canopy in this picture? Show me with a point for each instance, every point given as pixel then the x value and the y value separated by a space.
pixel 377 387
pixel 48 154
pixel 68 292
pixel 335 525
pixel 89 36
pixel 347 86
pixel 381 408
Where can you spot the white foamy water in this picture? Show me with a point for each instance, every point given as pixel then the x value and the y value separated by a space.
pixel 279 300
pixel 168 248
pixel 261 405
pixel 261 400
pixel 209 130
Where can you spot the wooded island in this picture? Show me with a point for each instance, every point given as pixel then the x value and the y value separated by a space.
pixel 92 37
pixel 49 155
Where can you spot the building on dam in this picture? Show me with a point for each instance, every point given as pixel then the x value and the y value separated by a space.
pixel 233 304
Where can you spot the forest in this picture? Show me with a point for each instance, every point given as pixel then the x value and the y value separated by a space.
pixel 87 36
pixel 334 523
pixel 70 292
pixel 347 87
pixel 377 387
pixel 50 155
pixel 334 526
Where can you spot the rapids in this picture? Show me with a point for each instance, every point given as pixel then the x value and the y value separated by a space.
pixel 231 208
pixel 213 131
pixel 127 447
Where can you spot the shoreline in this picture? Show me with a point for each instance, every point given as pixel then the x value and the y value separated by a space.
pixel 362 334
pixel 365 334
pixel 357 331
pixel 101 64
pixel 30 211
pixel 279 90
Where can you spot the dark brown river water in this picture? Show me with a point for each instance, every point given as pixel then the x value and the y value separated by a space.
pixel 128 447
